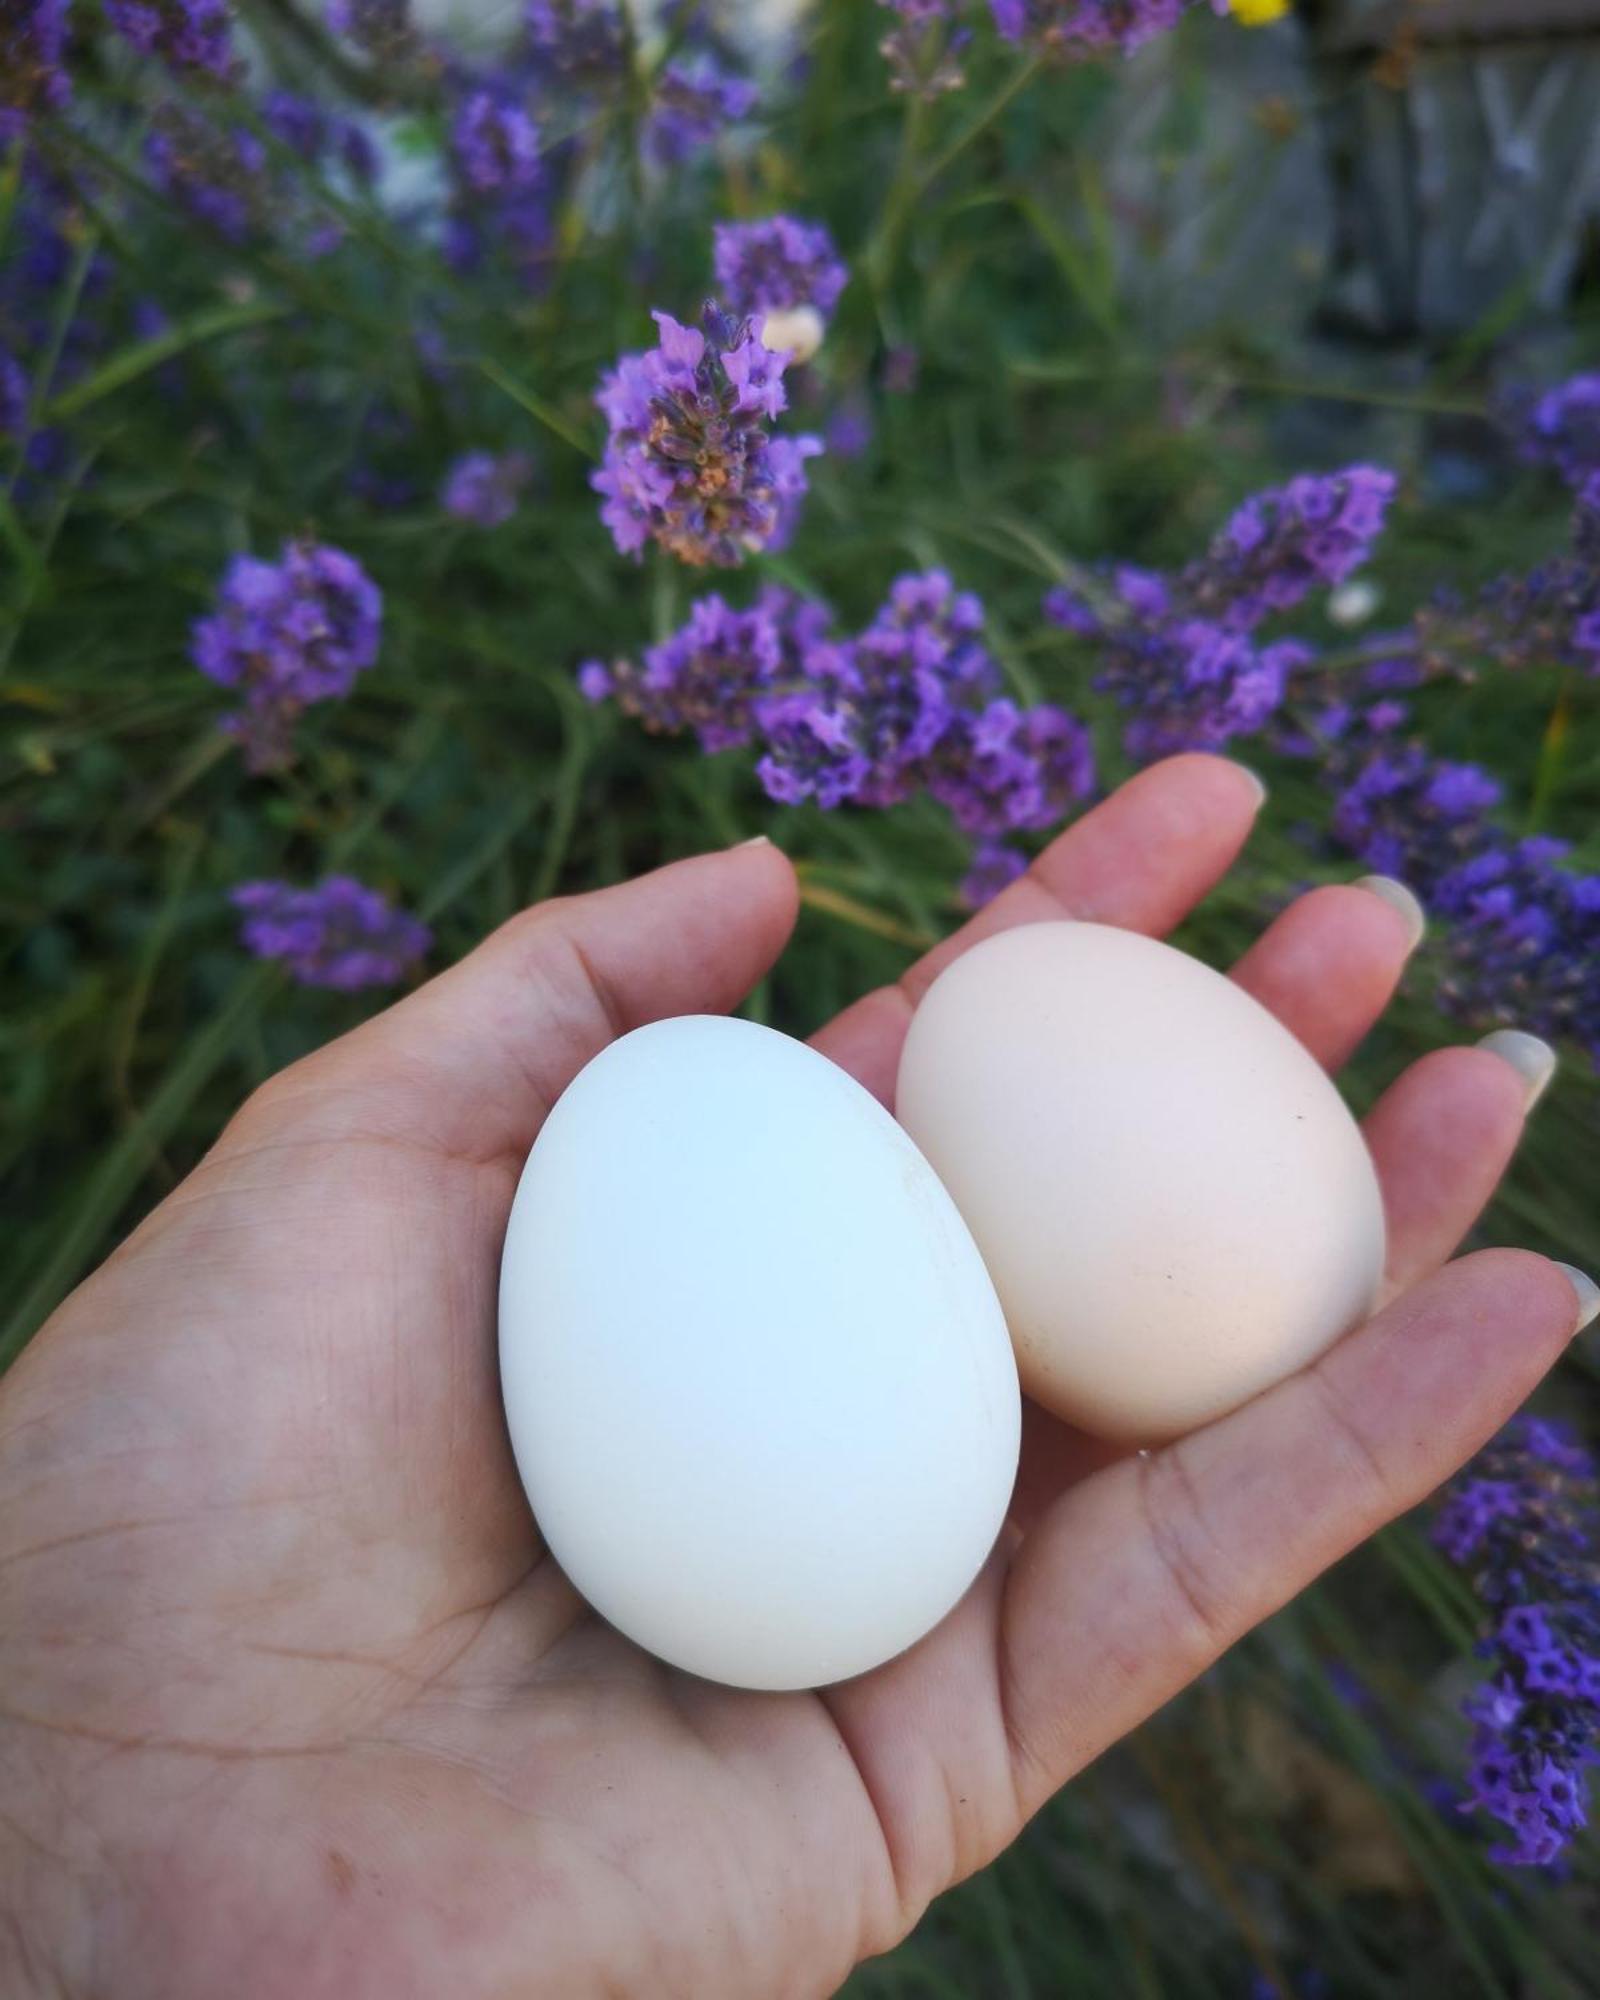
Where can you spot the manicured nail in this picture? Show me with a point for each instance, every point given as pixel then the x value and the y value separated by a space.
pixel 1400 898
pixel 1534 1061
pixel 1588 1295
pixel 755 840
pixel 1255 778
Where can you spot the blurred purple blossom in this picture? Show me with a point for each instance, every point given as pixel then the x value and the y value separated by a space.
pixel 33 78
pixel 1547 616
pixel 1179 651
pixel 776 265
pixel 1561 428
pixel 494 144
pixel 185 34
pixel 695 97
pixel 1520 944
pixel 1077 28
pixel 340 934
pixel 582 39
pixel 1523 1521
pixel 994 867
pixel 483 487
pixel 1283 544
pixel 13 396
pixel 689 462
pixel 217 172
pixel 499 171
pixel 319 135
pixel 287 634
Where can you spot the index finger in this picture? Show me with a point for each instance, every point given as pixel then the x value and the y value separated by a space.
pixel 1141 860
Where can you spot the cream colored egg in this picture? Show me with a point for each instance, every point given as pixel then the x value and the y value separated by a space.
pixel 756 1377
pixel 1175 1205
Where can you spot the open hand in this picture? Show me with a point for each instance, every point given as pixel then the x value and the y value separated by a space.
pixel 291 1702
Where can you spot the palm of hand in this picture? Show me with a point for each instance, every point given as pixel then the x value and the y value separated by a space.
pixel 312 1713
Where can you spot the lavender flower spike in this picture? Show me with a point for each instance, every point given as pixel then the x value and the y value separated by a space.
pixel 484 488
pixel 193 35
pixel 340 934
pixel 689 462
pixel 287 634
pixel 777 265
pixel 1074 29
pixel 33 38
pixel 694 99
pixel 1563 429
pixel 1524 1522
pixel 1283 544
pixel 583 39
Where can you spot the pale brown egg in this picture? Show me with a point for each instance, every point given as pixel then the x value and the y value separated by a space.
pixel 1173 1201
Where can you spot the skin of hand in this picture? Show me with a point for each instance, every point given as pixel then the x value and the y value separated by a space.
pixel 290 1702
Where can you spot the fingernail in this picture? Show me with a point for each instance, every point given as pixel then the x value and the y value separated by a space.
pixel 1400 898
pixel 755 840
pixel 1588 1294
pixel 1255 778
pixel 1534 1061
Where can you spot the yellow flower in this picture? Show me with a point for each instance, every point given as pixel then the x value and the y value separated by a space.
pixel 1257 13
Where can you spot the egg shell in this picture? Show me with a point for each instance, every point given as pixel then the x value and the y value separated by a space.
pixel 757 1380
pixel 1174 1203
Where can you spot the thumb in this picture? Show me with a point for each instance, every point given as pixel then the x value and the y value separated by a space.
pixel 472 1062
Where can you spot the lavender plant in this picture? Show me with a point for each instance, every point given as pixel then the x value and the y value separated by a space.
pixel 281 343
pixel 689 462
pixel 1524 1522
pixel 340 934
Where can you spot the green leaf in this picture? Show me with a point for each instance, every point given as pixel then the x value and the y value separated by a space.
pixel 145 355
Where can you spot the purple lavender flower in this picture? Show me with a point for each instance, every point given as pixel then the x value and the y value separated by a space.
pixel 1178 651
pixel 694 99
pixel 1521 940
pixel 910 704
pixel 1407 815
pixel 1563 429
pixel 340 934
pixel 688 462
pixel 13 396
pixel 185 34
pixel 483 487
pixel 1524 1522
pixel 1283 544
pixel 1549 616
pixel 33 38
pixel 777 265
pixel 495 145
pixel 705 678
pixel 317 134
pixel 1188 682
pixel 582 39
pixel 216 172
pixel 995 866
pixel 1076 28
pixel 287 634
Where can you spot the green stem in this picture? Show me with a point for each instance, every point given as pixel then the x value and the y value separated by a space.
pixel 1018 81
pixel 1552 754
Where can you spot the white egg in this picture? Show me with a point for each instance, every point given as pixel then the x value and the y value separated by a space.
pixel 757 1380
pixel 1174 1203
